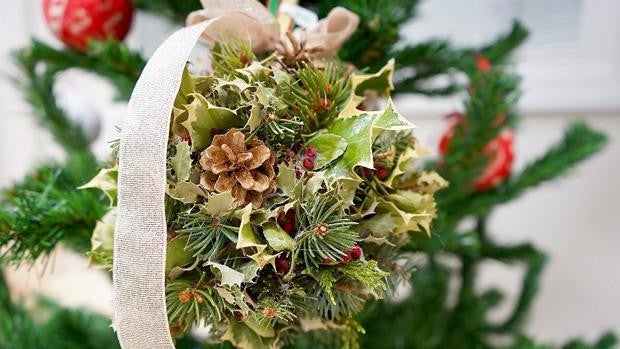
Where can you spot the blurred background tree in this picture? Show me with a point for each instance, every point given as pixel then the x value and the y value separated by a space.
pixel 44 209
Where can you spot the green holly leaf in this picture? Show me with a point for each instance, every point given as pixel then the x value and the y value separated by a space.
pixel 288 181
pixel 204 118
pixel 244 337
pixel 182 162
pixel 186 88
pixel 106 181
pixel 261 328
pixel 328 146
pixel 176 255
pixel 360 132
pixel 277 238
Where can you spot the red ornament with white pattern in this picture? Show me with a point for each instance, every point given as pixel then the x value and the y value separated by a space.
pixel 75 22
pixel 500 152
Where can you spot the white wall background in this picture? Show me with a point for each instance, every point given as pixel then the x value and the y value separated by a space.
pixel 573 219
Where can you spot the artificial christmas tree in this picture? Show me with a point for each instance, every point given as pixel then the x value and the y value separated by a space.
pixel 44 209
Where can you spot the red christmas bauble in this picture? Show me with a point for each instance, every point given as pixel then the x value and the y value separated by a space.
pixel 500 151
pixel 75 22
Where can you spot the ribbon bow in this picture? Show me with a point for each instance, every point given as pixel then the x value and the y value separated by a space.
pixel 250 19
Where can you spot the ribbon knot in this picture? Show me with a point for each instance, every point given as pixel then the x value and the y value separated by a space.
pixel 249 19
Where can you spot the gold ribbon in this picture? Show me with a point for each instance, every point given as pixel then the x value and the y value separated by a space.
pixel 249 19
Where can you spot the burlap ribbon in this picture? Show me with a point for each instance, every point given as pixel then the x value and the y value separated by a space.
pixel 140 317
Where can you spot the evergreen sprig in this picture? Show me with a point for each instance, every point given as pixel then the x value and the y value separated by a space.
pixel 206 236
pixel 324 235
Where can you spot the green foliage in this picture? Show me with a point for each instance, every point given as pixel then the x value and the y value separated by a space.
pixel 191 304
pixel 53 327
pixel 46 208
pixel 174 10
pixel 324 234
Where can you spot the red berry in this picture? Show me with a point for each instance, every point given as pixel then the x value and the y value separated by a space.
pixel 356 252
pixel 282 264
pixel 311 152
pixel 298 173
pixel 381 170
pixel 309 163
pixel 367 172
pixel 289 227
pixel 290 215
pixel 291 154
pixel 187 138
pixel 346 258
pixel 238 315
pixel 282 218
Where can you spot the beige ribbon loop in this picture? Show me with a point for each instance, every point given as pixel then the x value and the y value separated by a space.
pixel 140 316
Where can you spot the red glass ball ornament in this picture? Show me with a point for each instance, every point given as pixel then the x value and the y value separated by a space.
pixel 500 151
pixel 75 22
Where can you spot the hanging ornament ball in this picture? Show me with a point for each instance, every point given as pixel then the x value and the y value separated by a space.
pixel 75 22
pixel 500 152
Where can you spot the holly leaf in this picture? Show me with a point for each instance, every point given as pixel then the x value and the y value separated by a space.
pixel 328 146
pixel 204 118
pixel 277 238
pixel 382 224
pixel 248 239
pixel 186 88
pixel 261 328
pixel 229 276
pixel 360 133
pixel 102 241
pixel 381 82
pixel 182 162
pixel 186 192
pixel 106 181
pixel 176 255
pixel 219 204
pixel 288 182
pixel 243 337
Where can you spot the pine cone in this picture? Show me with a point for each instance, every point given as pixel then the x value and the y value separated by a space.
pixel 248 173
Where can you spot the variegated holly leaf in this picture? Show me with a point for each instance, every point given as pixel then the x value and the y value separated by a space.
pixel 106 181
pixel 277 238
pixel 204 118
pixel 360 133
pixel 329 147
pixel 186 192
pixel 248 239
pixel 228 275
pixel 219 204
pixel 182 162
pixel 381 82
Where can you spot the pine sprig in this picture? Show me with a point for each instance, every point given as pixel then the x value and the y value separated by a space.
pixel 324 235
pixel 46 209
pixel 318 94
pixel 206 236
pixel 190 304
pixel 578 143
